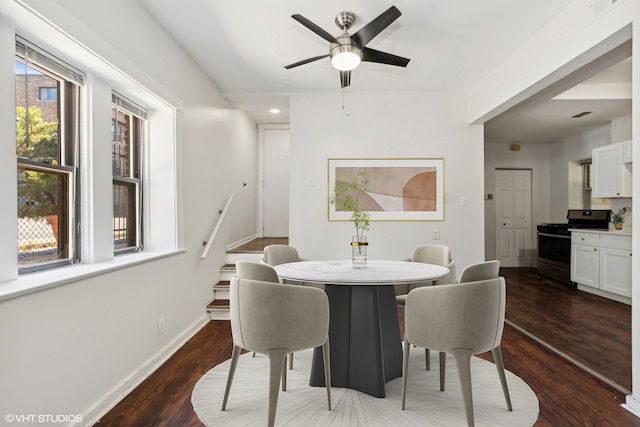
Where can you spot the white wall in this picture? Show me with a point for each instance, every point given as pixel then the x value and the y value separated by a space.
pixel 544 60
pixel 65 350
pixel 385 125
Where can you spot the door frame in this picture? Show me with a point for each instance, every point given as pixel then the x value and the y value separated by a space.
pixel 260 176
pixel 532 258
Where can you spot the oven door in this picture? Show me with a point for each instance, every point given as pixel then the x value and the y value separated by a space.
pixel 554 249
pixel 554 256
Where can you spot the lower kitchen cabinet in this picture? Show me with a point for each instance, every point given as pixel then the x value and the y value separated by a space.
pixel 585 263
pixel 615 271
pixel 602 261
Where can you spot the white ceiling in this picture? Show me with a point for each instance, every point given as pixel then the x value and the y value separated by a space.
pixel 244 45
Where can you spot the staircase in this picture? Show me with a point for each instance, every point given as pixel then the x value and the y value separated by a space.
pixel 218 309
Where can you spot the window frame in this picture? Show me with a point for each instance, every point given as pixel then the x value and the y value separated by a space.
pixel 70 82
pixel 586 183
pixel 134 180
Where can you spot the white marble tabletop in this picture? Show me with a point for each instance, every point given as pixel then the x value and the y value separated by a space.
pixel 378 272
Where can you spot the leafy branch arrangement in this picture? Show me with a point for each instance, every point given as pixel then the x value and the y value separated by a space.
pixel 346 195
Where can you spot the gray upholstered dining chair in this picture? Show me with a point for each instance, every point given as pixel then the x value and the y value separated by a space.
pixel 480 271
pixel 462 319
pixel 266 273
pixel 280 254
pixel 277 319
pixel 256 271
pixel 430 254
pixel 471 273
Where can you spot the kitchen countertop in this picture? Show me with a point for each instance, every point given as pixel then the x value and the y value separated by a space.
pixel 611 231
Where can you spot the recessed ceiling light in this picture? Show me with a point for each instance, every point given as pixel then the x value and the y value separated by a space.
pixel 275 110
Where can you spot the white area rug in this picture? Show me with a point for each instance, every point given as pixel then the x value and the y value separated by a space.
pixel 302 405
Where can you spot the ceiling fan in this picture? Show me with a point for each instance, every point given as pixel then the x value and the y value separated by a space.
pixel 346 51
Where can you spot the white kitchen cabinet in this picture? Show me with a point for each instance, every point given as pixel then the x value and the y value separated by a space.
pixel 615 264
pixel 627 153
pixel 602 261
pixel 585 259
pixel 611 176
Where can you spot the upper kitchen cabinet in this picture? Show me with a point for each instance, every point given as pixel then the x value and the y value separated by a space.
pixel 627 155
pixel 611 175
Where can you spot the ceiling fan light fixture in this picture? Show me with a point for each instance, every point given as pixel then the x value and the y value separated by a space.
pixel 345 57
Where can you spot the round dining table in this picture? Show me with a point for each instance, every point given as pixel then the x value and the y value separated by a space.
pixel 364 330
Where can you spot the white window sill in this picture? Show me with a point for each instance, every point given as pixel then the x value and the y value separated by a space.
pixel 34 282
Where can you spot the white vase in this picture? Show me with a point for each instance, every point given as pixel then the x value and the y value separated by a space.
pixel 359 251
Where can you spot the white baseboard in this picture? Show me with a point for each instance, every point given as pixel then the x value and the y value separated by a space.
pixel 241 242
pixel 604 294
pixel 92 417
pixel 632 405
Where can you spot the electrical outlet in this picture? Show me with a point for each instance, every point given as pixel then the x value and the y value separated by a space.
pixel 161 326
pixel 435 234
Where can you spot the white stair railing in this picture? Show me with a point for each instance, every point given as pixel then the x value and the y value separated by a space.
pixel 207 243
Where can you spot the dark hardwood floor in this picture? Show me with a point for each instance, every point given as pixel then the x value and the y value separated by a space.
pixel 593 331
pixel 590 329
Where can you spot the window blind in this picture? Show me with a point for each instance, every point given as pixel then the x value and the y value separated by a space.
pixel 35 55
pixel 130 106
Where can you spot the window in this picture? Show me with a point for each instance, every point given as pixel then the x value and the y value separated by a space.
pixel 586 184
pixel 587 201
pixel 127 121
pixel 48 94
pixel 47 153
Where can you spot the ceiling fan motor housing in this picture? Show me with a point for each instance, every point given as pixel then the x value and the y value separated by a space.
pixel 346 55
pixel 344 20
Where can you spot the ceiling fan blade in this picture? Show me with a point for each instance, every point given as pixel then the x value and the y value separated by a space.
pixel 345 78
pixel 305 61
pixel 372 55
pixel 373 28
pixel 316 29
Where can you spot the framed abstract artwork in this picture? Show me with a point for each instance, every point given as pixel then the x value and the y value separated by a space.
pixel 399 189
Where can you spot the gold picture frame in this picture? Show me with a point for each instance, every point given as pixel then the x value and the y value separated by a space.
pixel 405 189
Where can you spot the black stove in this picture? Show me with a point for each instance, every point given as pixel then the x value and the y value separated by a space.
pixel 554 241
pixel 578 218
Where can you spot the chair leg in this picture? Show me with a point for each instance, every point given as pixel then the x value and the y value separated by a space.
pixel 427 358
pixel 284 375
pixel 405 368
pixel 277 360
pixel 442 357
pixel 497 359
pixel 232 371
pixel 290 361
pixel 463 361
pixel 326 356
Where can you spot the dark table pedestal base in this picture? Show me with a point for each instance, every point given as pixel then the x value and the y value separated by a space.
pixel 364 338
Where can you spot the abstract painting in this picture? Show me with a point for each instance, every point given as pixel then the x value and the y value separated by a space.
pixel 399 189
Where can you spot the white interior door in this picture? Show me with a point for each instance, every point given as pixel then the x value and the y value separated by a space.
pixel 275 183
pixel 514 245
